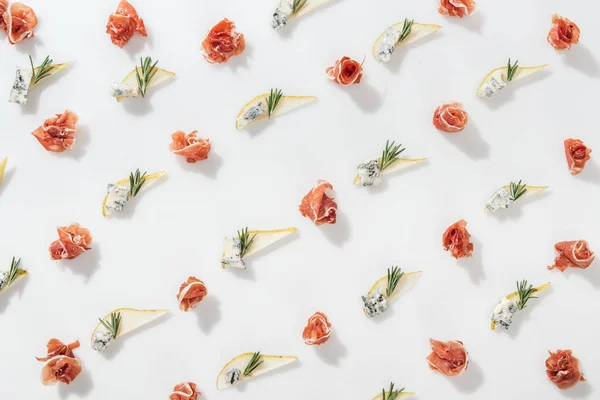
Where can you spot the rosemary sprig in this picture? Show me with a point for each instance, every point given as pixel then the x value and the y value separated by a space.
pixel 254 363
pixel 390 154
pixel 245 240
pixel 43 70
pixel 393 277
pixel 512 70
pixel 517 190
pixel 145 73
pixel 525 293
pixel 391 394
pixel 297 5
pixel 406 29
pixel 273 100
pixel 136 181
pixel 113 325
pixel 13 272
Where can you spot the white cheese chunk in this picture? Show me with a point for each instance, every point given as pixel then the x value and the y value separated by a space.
pixel 281 14
pixel 124 90
pixel 492 85
pixel 369 173
pixel 500 199
pixel 102 339
pixel 3 279
pixel 20 87
pixel 117 197
pixel 374 305
pixel 503 313
pixel 233 376
pixel 388 44
pixel 234 254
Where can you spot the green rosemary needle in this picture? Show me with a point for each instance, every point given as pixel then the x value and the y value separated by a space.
pixel 245 241
pixel 517 190
pixel 43 70
pixel 390 154
pixel 14 271
pixel 391 394
pixel 406 29
pixel 254 363
pixel 113 325
pixel 525 293
pixel 393 277
pixel 136 181
pixel 512 70
pixel 273 100
pixel 144 74
pixel 297 5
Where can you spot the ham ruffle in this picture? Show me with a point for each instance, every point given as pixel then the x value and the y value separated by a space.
pixel 72 241
pixel 572 254
pixel 185 391
pixel 222 42
pixel 318 206
pixel 449 358
pixel 18 21
pixel 457 8
pixel 563 369
pixel 61 365
pixel 456 239
pixel 563 33
pixel 345 71
pixel 191 293
pixel 58 132
pixel 57 348
pixel 124 23
pixel 577 155
pixel 450 118
pixel 317 330
pixel 190 146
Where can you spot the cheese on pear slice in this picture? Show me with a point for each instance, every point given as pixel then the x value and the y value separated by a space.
pixel 310 5
pixel 401 396
pixel 397 165
pixel 159 77
pixel 240 362
pixel 3 167
pixel 522 72
pixel 515 296
pixel 417 32
pixel 56 68
pixel 263 239
pixel 150 178
pixel 531 190
pixel 131 319
pixel 285 105
pixel 406 283
pixel 22 274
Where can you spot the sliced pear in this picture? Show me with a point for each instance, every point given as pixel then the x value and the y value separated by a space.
pixel 531 190
pixel 417 32
pixel 407 282
pixel 131 319
pixel 397 165
pixel 159 77
pixel 3 167
pixel 310 5
pixel 21 274
pixel 150 178
pixel 522 72
pixel 285 105
pixel 262 240
pixel 240 362
pixel 402 395
pixel 515 295
pixel 56 68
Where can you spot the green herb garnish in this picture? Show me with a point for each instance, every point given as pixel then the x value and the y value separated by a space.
pixel 14 272
pixel 393 277
pixel 517 190
pixel 406 29
pixel 245 241
pixel 512 70
pixel 525 293
pixel 144 74
pixel 273 100
pixel 136 181
pixel 43 70
pixel 254 363
pixel 113 325
pixel 390 154
pixel 391 394
pixel 297 5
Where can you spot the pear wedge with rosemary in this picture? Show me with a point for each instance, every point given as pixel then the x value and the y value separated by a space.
pixel 524 293
pixel 290 9
pixel 508 194
pixel 409 31
pixel 257 240
pixel 406 283
pixel 388 289
pixel 145 76
pixel 130 319
pixel 14 274
pixel 3 163
pixel 499 78
pixel 147 179
pixel 45 71
pixel 399 396
pixel 249 365
pixel 397 165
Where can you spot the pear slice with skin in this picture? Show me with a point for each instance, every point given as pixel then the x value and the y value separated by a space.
pixel 241 362
pixel 397 165
pixel 150 178
pixel 401 395
pixel 3 167
pixel 522 72
pixel 515 296
pixel 417 32
pixel 159 77
pixel 310 5
pixel 22 274
pixel 131 319
pixel 531 190
pixel 56 68
pixel 407 282
pixel 285 105
pixel 263 239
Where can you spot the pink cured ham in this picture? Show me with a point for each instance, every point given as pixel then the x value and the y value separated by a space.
pixel 185 391
pixel 124 23
pixel 58 132
pixel 449 358
pixel 572 254
pixel 318 206
pixel 191 292
pixel 189 146
pixel 57 348
pixel 72 241
pixel 18 21
pixel 562 368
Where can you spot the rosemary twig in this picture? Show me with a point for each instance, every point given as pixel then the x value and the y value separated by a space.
pixel 512 70
pixel 136 181
pixel 393 277
pixel 297 5
pixel 43 70
pixel 525 293
pixel 245 241
pixel 406 29
pixel 145 73
pixel 392 394
pixel 113 325
pixel 254 363
pixel 13 272
pixel 390 154
pixel 517 190
pixel 273 100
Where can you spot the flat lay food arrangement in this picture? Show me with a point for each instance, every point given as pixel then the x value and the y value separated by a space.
pixel 300 245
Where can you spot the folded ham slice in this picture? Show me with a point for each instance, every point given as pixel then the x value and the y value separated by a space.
pixel 189 146
pixel 563 369
pixel 572 254
pixel 449 358
pixel 57 134
pixel 124 23
pixel 72 241
pixel 318 206
pixel 18 21
pixel 191 293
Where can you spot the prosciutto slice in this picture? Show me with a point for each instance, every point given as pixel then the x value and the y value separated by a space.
pixel 18 21
pixel 185 391
pixel 572 254
pixel 456 240
pixel 318 206
pixel 72 241
pixel 60 369
pixel 124 23
pixel 57 348
pixel 189 146
pixel 58 132
pixel 191 293
pixel 563 369
pixel 3 7
pixel 222 42
pixel 577 155
pixel 449 358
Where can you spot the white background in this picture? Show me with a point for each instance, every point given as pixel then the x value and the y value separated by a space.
pixel 258 178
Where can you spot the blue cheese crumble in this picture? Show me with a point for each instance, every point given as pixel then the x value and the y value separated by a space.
pixel 3 279
pixel 281 14
pixel 374 305
pixel 234 257
pixel 101 340
pixel 233 376
pixel 504 311
pixel 500 199
pixel 124 90
pixel 492 85
pixel 20 87
pixel 388 44
pixel 369 173
pixel 117 197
